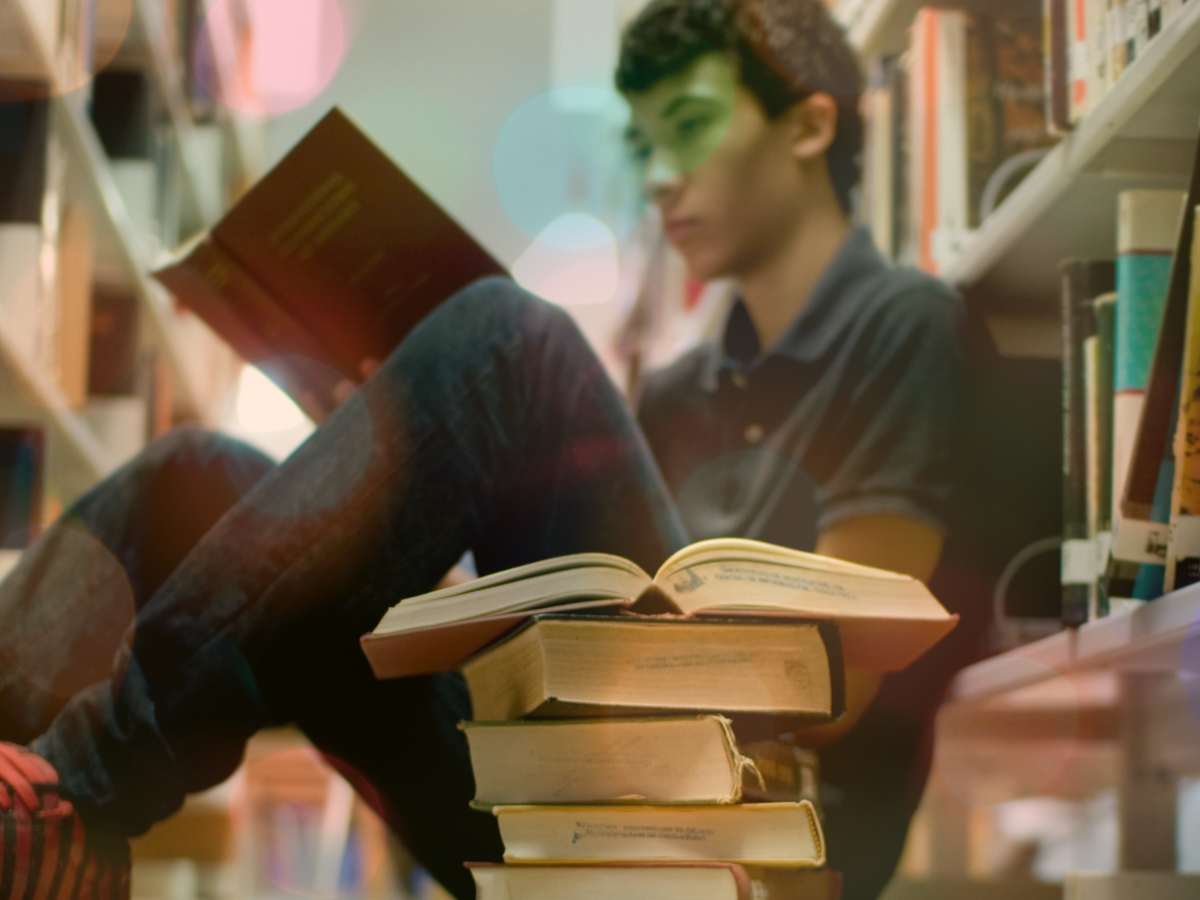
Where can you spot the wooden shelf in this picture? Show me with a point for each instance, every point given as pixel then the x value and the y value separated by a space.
pixel 1149 639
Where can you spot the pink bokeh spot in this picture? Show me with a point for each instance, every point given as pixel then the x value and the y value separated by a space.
pixel 271 56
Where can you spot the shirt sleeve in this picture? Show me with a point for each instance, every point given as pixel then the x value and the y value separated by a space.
pixel 890 447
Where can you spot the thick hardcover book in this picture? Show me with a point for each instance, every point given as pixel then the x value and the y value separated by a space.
pixel 590 666
pixel 695 880
pixel 1082 282
pixel 780 834
pixel 1055 55
pixel 885 620
pixel 1183 557
pixel 627 761
pixel 328 261
pixel 1142 418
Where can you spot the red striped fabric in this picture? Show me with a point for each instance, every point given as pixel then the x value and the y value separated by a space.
pixel 44 852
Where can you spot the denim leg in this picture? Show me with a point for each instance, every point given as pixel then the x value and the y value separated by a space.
pixel 492 428
pixel 66 606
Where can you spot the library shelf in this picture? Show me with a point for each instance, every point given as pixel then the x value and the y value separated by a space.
pixel 1150 638
pixel 26 28
pixel 122 254
pixel 1141 134
pixel 27 392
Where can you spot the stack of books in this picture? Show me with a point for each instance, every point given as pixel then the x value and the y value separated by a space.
pixel 607 724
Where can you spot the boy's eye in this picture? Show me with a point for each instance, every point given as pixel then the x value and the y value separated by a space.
pixel 639 153
pixel 691 127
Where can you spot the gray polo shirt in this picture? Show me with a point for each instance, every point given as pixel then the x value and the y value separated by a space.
pixel 851 413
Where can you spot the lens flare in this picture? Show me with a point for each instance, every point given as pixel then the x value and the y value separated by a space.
pixel 50 52
pixel 562 152
pixel 574 262
pixel 62 625
pixel 268 57
pixel 1016 744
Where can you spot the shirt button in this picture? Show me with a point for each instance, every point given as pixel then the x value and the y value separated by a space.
pixel 754 434
pixel 738 377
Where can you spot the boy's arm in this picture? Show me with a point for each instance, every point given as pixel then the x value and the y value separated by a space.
pixel 887 542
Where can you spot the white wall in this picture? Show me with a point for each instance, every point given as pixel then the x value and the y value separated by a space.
pixel 433 81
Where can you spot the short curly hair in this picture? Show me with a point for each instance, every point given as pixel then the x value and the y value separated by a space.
pixel 785 50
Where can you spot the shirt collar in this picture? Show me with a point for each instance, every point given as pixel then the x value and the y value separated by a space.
pixel 835 302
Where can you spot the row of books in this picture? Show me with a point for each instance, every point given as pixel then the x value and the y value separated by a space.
pixel 1130 416
pixel 952 125
pixel 974 103
pixel 1090 43
pixel 633 735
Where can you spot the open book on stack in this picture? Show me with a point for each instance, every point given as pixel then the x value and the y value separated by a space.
pixel 884 620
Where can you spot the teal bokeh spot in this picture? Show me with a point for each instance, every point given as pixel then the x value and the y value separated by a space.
pixel 1141 292
pixel 562 153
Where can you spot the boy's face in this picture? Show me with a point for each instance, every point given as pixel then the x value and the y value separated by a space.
pixel 724 177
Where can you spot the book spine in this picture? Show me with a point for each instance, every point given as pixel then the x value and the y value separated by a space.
pixel 1183 557
pixel 1054 13
pixel 1077 60
pixel 1101 440
pixel 1147 227
pixel 1079 280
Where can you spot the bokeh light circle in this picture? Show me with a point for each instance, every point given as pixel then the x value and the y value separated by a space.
pixel 313 487
pixel 25 32
pixel 268 57
pixel 561 152
pixel 573 262
pixel 1013 745
pixel 61 625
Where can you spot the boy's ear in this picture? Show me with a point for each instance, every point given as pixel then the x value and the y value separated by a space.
pixel 814 125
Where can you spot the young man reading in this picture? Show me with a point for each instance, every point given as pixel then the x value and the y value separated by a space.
pixel 823 418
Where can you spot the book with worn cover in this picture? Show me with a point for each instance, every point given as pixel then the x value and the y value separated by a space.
pixel 695 880
pixel 885 620
pixel 329 260
pixel 769 834
pixel 627 761
pixel 604 666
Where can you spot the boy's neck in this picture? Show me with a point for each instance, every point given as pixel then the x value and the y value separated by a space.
pixel 779 289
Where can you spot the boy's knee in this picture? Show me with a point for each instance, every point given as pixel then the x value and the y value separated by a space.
pixel 498 306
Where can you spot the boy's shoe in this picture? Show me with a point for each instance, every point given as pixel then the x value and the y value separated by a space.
pixel 44 850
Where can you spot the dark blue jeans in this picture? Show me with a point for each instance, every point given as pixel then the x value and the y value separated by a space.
pixel 492 428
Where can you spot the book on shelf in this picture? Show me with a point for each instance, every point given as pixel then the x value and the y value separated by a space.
pixel 885 620
pixel 686 759
pixel 695 880
pixel 76 265
pixel 31 164
pixel 977 120
pixel 330 259
pixel 1158 236
pixel 1098 416
pixel 588 666
pixel 1057 39
pixel 1082 281
pixel 884 198
pixel 22 480
pixel 779 834
pixel 1183 550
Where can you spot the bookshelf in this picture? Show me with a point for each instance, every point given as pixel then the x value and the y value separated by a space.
pixel 200 170
pixel 1106 706
pixel 1141 134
